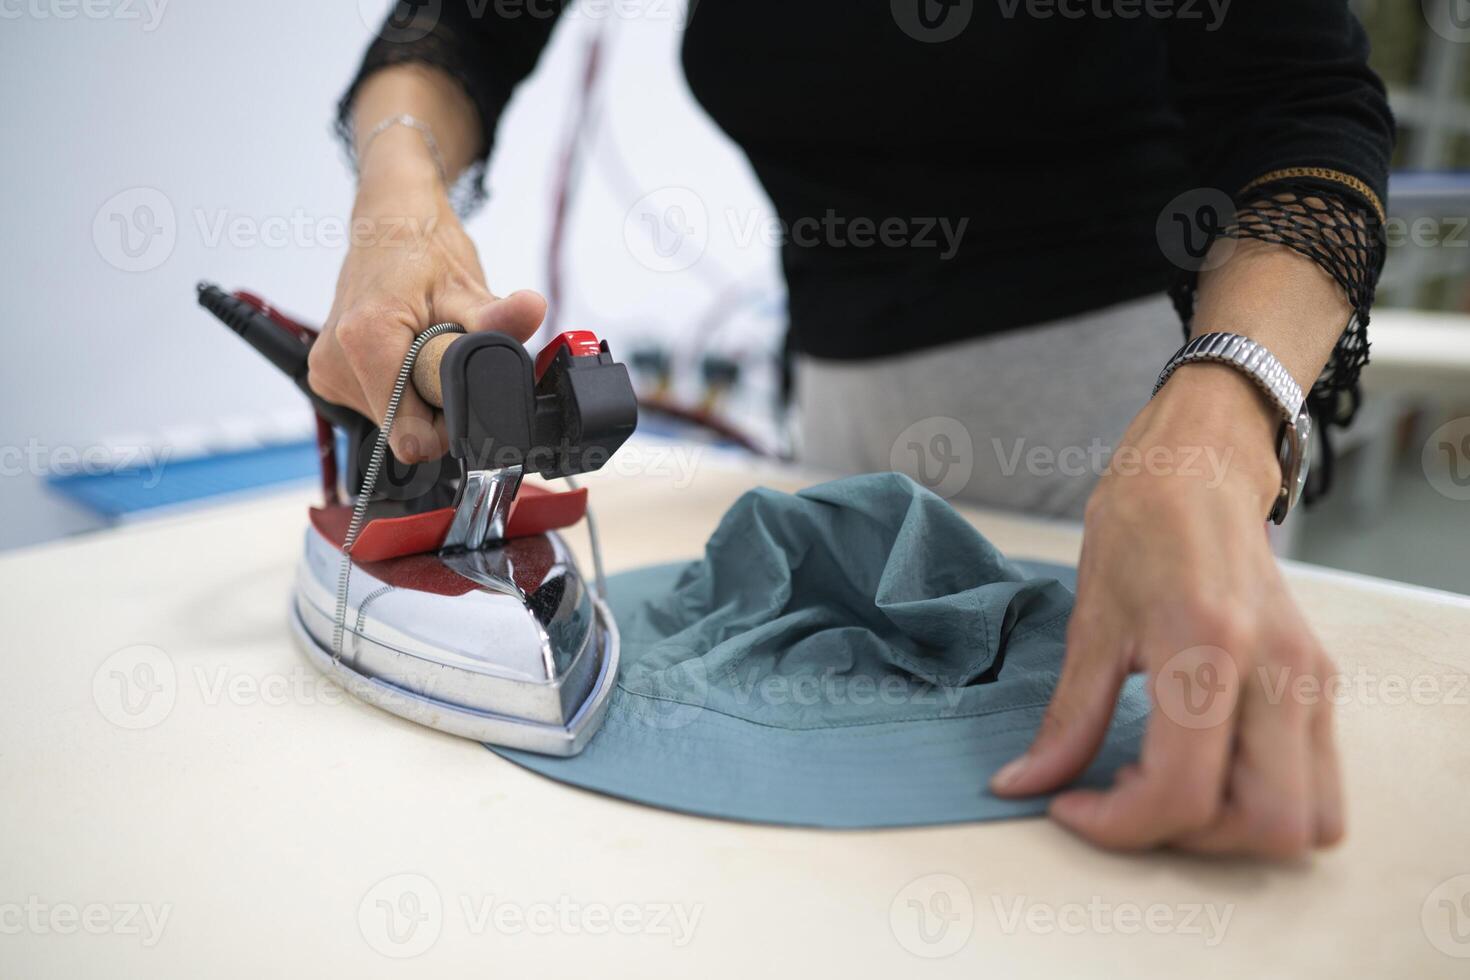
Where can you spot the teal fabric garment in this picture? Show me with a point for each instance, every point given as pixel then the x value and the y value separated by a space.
pixel 855 655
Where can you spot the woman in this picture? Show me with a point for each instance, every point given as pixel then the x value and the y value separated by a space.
pixel 1084 150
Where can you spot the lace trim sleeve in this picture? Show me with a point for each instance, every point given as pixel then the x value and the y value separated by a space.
pixel 1335 220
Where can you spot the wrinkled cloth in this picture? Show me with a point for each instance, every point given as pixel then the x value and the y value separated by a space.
pixel 855 655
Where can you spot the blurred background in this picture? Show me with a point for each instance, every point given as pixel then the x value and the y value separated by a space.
pixel 154 143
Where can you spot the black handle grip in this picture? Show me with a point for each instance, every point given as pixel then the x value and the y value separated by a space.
pixel 571 421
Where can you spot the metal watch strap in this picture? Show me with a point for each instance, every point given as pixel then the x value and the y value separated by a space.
pixel 1261 366
pixel 1247 356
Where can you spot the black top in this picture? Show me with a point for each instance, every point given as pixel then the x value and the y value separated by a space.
pixel 1048 146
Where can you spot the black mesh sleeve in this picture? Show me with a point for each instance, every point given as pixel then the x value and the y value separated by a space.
pixel 1343 235
pixel 487 47
pixel 1281 110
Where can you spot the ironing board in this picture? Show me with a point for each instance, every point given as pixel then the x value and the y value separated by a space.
pixel 266 825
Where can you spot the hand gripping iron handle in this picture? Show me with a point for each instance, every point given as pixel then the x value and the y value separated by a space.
pixel 565 414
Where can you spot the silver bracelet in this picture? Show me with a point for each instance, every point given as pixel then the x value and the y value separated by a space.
pixel 412 122
pixel 1293 440
pixel 1245 355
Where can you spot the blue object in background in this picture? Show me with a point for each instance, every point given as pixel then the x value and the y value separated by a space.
pixel 127 491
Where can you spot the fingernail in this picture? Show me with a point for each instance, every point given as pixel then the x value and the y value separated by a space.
pixel 1008 773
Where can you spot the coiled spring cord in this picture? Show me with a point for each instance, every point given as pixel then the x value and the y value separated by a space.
pixel 370 477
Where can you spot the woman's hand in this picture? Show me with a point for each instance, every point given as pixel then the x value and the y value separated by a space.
pixel 1176 580
pixel 410 265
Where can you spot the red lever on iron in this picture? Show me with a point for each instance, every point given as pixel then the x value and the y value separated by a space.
pixel 579 343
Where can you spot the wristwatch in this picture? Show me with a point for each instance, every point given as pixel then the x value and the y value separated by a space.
pixel 1261 366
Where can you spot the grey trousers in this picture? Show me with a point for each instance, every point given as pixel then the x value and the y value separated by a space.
pixel 1023 420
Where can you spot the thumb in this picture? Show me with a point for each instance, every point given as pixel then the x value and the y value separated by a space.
pixel 1076 719
pixel 519 315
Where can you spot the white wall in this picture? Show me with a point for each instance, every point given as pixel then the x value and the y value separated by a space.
pixel 214 112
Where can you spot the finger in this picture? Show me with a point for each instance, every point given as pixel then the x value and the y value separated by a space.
pixel 375 347
pixel 459 302
pixel 1077 717
pixel 520 315
pixel 331 377
pixel 1270 811
pixel 1327 794
pixel 1182 767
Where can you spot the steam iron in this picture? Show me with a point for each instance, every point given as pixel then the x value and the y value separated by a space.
pixel 441 591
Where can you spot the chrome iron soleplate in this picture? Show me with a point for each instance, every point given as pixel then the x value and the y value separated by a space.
pixel 507 645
